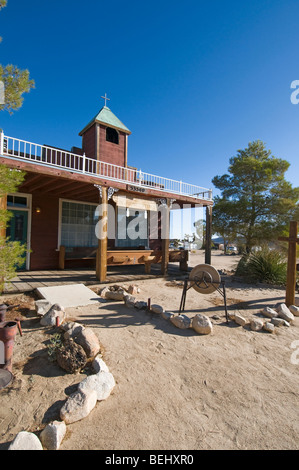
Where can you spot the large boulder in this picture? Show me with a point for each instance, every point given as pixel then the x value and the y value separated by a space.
pixel 181 321
pixel 25 440
pixel 269 312
pixel 78 406
pixel 89 342
pixel 49 318
pixel 53 434
pixel 102 382
pixel 202 324
pixel 294 310
pixel 284 312
pixel 71 357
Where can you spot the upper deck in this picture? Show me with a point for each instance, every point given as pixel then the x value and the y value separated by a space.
pixel 32 156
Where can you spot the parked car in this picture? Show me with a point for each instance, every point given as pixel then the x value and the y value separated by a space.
pixel 232 250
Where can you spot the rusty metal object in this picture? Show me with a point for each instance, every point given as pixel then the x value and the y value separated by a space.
pixel 8 331
pixel 3 310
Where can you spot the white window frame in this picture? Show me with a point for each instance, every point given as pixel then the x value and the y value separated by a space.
pixel 61 200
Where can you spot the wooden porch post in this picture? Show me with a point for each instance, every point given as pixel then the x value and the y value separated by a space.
pixel 101 260
pixel 165 238
pixel 208 234
pixel 3 207
pixel 292 239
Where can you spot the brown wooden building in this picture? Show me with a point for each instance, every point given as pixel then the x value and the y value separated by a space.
pixel 87 207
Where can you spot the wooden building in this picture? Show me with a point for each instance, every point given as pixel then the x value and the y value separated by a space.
pixel 87 207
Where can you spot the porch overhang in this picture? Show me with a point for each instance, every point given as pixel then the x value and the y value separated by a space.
pixel 47 179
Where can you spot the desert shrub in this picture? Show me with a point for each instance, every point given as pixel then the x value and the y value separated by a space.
pixel 11 257
pixel 266 265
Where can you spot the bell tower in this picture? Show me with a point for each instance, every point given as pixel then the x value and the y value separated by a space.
pixel 105 138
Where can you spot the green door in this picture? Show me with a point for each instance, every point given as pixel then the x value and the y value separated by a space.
pixel 17 229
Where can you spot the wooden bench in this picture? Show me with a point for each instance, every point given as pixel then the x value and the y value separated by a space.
pixel 76 253
pixel 123 256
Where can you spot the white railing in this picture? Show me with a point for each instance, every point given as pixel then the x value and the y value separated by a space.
pixel 53 157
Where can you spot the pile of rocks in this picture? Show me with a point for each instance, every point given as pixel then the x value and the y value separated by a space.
pixel 200 323
pixel 279 315
pixel 80 345
pixel 93 388
pixel 115 292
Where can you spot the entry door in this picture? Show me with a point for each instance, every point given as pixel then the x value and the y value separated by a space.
pixel 17 229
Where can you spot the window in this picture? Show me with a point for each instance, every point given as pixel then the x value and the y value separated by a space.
pixel 111 135
pixel 132 228
pixel 78 221
pixel 17 201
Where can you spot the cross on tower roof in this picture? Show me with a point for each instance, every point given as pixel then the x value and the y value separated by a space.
pixel 105 98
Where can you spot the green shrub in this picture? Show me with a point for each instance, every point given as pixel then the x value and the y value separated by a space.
pixel 11 257
pixel 269 266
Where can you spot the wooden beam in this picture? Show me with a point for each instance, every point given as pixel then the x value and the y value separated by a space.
pixel 101 260
pixel 165 237
pixel 292 263
pixel 208 234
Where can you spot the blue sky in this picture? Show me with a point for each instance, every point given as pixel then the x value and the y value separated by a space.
pixel 194 81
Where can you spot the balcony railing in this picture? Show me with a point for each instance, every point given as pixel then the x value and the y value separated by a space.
pixel 22 150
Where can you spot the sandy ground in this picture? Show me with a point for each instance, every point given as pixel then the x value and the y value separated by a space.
pixel 175 389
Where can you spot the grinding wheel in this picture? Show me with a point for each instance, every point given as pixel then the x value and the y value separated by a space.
pixel 205 278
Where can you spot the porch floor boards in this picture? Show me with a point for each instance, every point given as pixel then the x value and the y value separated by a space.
pixel 27 281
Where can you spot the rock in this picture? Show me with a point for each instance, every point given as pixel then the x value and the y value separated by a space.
pixel 294 310
pixel 140 305
pixel 71 357
pixel 49 318
pixel 99 365
pixel 202 324
pixel 284 312
pixel 103 292
pixel 157 309
pixel 89 342
pixel 102 382
pixel 115 295
pixel 53 434
pixel 42 306
pixel 181 321
pixel 269 327
pixel 239 319
pixel 256 324
pixel 26 441
pixel 167 315
pixel 269 312
pixel 231 315
pixel 72 330
pixel 78 406
pixel 132 289
pixel 129 300
pixel 279 322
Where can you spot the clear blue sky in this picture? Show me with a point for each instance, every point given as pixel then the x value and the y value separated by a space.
pixel 194 81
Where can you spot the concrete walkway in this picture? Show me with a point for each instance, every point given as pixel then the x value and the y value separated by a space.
pixel 27 281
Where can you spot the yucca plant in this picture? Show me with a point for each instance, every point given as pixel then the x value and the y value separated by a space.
pixel 266 265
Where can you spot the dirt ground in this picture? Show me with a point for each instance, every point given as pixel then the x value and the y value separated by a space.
pixel 175 389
